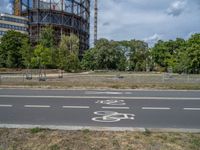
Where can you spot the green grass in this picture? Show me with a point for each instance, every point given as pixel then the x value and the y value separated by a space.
pixel 36 130
pixel 54 147
pixel 195 143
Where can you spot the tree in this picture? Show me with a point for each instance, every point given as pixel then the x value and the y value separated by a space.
pixel 89 62
pixel 105 55
pixel 47 37
pixel 180 55
pixel 68 53
pixel 72 63
pixel 138 55
pixel 41 56
pixel 10 46
pixel 26 53
pixel 193 53
pixel 47 40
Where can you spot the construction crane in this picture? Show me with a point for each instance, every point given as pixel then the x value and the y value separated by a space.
pixel 95 20
pixel 16 7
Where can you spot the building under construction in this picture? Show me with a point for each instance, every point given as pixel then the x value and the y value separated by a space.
pixel 65 17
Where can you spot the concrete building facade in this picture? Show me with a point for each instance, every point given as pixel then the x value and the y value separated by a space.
pixel 11 22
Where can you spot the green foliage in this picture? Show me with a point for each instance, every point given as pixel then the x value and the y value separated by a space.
pixel 116 55
pixel 10 46
pixel 72 63
pixel 68 53
pixel 138 55
pixel 47 37
pixel 105 55
pixel 147 132
pixel 47 40
pixel 195 142
pixel 89 62
pixel 36 130
pixel 54 147
pixel 41 56
pixel 181 55
pixel 26 53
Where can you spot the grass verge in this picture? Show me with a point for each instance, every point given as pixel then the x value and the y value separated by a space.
pixel 24 139
pixel 107 80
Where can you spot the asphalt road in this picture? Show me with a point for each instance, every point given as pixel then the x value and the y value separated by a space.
pixel 101 108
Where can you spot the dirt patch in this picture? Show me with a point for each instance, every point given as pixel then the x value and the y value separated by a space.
pixel 44 139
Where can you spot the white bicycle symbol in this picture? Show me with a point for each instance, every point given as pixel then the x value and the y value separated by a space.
pixel 112 102
pixel 110 116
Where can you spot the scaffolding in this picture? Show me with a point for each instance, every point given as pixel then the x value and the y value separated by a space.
pixel 65 16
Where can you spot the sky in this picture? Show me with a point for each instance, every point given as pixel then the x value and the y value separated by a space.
pixel 148 20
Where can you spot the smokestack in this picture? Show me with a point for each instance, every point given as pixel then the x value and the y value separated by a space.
pixel 95 20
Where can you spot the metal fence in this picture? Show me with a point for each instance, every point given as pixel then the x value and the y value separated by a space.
pixel 129 78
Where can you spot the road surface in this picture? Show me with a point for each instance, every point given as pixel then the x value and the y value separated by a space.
pixel 101 108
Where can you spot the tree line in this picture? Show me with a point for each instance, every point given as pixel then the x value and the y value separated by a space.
pixel 180 56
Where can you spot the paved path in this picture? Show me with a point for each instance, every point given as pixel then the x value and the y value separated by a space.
pixel 101 108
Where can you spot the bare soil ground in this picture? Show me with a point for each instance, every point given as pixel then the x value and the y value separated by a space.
pixel 44 139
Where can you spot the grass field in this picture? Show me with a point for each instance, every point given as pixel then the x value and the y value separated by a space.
pixel 44 139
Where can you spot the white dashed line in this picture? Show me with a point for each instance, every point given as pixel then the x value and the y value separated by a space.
pixel 156 108
pixel 191 109
pixel 115 107
pixel 6 105
pixel 102 97
pixel 108 93
pixel 77 107
pixel 37 106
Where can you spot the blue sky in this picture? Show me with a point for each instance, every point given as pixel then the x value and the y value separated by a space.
pixel 147 20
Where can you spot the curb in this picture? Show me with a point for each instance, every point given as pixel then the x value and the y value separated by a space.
pixel 96 128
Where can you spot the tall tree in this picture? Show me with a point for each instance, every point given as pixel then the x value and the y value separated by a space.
pixel 105 55
pixel 193 53
pixel 47 40
pixel 26 53
pixel 138 55
pixel 11 44
pixel 41 56
pixel 47 37
pixel 68 53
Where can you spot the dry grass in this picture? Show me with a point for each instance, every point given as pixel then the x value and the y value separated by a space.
pixel 26 139
pixel 113 80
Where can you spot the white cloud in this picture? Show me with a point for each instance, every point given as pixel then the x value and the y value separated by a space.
pixel 153 39
pixel 138 19
pixel 177 7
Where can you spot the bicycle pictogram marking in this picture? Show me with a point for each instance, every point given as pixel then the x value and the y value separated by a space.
pixel 112 102
pixel 111 116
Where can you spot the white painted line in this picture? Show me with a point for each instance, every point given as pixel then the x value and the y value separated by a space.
pixel 128 93
pixel 37 106
pixel 156 108
pixel 115 107
pixel 6 105
pixel 191 109
pixel 95 92
pixel 101 97
pixel 77 107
